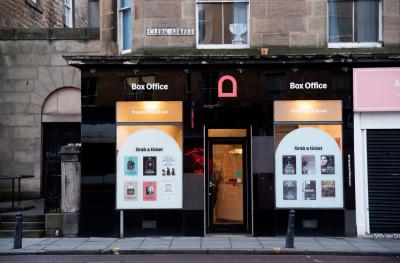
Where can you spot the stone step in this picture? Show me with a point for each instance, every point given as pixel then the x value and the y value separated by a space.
pixel 25 226
pixel 25 233
pixel 25 218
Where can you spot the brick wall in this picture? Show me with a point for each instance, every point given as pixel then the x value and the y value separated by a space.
pixel 48 14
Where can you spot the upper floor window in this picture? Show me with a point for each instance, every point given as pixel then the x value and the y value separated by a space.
pixel 124 25
pixel 223 24
pixel 68 13
pixel 354 23
pixel 35 4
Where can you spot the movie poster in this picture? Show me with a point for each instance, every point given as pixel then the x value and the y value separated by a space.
pixel 289 164
pixel 309 190
pixel 289 190
pixel 131 167
pixel 168 189
pixel 168 166
pixel 307 164
pixel 328 189
pixel 130 190
pixel 149 191
pixel 327 164
pixel 149 165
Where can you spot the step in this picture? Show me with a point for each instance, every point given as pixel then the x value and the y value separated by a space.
pixel 25 218
pixel 25 225
pixel 25 233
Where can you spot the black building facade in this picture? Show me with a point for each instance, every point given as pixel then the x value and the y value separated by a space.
pixel 221 132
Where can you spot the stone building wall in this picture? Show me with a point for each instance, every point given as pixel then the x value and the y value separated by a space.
pixel 30 70
pixel 391 22
pixel 45 14
pixel 287 23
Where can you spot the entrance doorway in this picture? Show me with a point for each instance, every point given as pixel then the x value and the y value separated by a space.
pixel 227 187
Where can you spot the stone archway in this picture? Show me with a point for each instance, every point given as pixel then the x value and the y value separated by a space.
pixel 61 116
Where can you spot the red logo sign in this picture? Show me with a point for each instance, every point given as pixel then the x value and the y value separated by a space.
pixel 232 94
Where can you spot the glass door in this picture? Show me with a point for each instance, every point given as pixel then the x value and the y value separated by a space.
pixel 226 188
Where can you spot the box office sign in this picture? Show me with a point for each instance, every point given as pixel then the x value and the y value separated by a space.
pixel 149 155
pixel 308 170
pixel 376 89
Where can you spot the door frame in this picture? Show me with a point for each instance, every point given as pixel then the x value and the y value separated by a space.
pixel 246 227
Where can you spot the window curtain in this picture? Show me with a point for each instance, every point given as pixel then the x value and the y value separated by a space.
pixel 340 21
pixel 240 17
pixel 126 16
pixel 366 21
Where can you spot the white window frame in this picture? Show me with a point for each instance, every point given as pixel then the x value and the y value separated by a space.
pixel 120 28
pixel 222 46
pixel 68 17
pixel 355 44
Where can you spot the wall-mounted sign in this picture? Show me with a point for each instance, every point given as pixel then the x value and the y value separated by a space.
pixel 149 86
pixel 149 111
pixel 376 89
pixel 308 170
pixel 307 110
pixel 149 156
pixel 170 31
pixel 308 85
pixel 232 81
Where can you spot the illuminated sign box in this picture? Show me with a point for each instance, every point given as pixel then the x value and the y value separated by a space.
pixel 149 111
pixel 307 110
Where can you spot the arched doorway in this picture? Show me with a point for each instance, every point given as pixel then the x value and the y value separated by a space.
pixel 61 116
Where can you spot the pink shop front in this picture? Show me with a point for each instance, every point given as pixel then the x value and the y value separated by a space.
pixel 377 150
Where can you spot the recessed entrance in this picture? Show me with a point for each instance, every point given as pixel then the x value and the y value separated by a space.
pixel 227 179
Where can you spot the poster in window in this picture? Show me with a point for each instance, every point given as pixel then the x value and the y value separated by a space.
pixel 131 165
pixel 168 166
pixel 289 164
pixel 327 164
pixel 168 190
pixel 131 190
pixel 314 155
pixel 149 191
pixel 307 164
pixel 328 189
pixel 289 190
pixel 149 165
pixel 309 190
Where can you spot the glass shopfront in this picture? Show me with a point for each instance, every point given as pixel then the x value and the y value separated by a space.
pixel 233 172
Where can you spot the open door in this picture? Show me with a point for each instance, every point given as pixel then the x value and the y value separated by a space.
pixel 227 185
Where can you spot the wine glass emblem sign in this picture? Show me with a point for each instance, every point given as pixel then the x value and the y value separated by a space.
pixel 238 30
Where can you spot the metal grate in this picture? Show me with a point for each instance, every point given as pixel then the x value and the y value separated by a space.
pixel 383 151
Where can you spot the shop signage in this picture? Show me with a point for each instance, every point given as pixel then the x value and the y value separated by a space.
pixel 233 82
pixel 376 89
pixel 149 86
pixel 170 31
pixel 308 110
pixel 308 170
pixel 308 85
pixel 149 111
pixel 149 156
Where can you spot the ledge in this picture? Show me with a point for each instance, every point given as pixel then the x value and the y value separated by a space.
pixel 275 55
pixel 50 34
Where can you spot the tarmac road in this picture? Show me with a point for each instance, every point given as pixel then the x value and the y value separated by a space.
pixel 196 259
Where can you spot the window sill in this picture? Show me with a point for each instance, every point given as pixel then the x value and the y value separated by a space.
pixel 35 6
pixel 355 45
pixel 125 51
pixel 228 46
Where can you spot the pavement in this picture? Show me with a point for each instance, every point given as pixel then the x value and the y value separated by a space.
pixel 203 245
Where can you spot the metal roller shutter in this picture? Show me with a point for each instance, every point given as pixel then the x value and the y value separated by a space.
pixel 383 151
